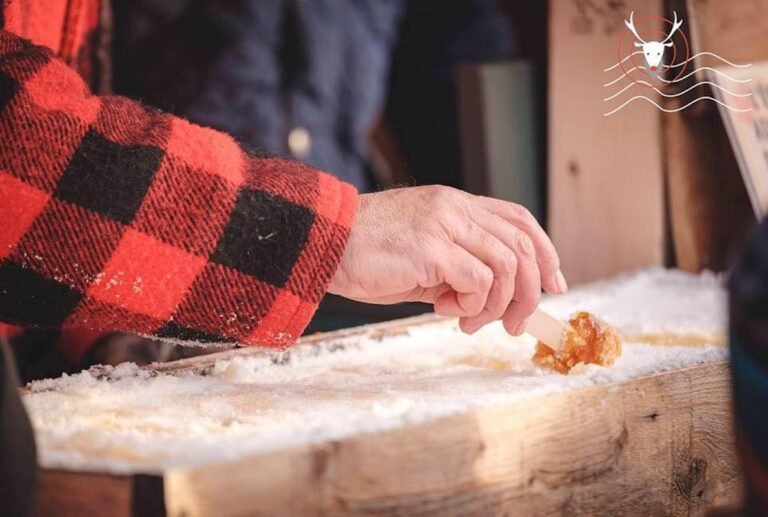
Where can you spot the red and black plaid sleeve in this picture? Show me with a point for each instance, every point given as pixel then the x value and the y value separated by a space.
pixel 118 217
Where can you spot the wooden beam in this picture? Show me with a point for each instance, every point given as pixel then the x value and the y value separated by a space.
pixel 656 445
pixel 660 444
pixel 709 209
pixel 737 31
pixel 308 344
pixel 606 190
pixel 710 213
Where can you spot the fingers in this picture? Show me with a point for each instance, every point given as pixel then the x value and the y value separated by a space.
pixel 527 287
pixel 546 256
pixel 527 290
pixel 515 288
pixel 502 260
pixel 470 281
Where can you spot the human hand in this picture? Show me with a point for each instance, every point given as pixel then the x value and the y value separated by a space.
pixel 474 257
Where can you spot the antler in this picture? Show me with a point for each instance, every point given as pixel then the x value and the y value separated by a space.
pixel 631 26
pixel 675 25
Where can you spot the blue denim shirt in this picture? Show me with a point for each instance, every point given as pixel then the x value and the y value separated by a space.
pixel 297 78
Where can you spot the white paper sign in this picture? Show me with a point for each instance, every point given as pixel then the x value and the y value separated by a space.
pixel 746 121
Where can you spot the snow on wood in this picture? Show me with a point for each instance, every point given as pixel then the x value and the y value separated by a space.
pixel 127 419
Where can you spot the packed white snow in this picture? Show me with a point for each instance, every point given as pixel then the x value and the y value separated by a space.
pixel 131 420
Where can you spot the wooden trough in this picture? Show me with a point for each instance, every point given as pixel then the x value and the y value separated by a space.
pixel 659 444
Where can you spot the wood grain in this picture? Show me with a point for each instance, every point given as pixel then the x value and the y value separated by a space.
pixel 709 208
pixel 710 213
pixel 606 183
pixel 659 445
pixel 737 31
pixel 656 445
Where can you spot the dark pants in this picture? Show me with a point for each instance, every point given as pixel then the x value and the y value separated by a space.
pixel 18 457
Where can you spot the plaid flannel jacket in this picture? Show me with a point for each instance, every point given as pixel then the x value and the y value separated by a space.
pixel 118 217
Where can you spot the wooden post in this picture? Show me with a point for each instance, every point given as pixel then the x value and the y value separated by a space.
pixel 606 210
pixel 709 209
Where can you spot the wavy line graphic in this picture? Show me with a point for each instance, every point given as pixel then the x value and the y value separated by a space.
pixel 680 64
pixel 723 74
pixel 622 76
pixel 742 81
pixel 622 61
pixel 694 101
pixel 658 77
pixel 672 96
pixel 708 54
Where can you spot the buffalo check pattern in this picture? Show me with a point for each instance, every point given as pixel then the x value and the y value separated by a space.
pixel 120 218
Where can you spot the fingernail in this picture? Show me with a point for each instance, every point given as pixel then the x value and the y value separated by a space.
pixel 562 285
pixel 521 327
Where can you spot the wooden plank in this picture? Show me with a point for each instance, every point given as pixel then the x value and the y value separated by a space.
pixel 708 204
pixel 747 131
pixel 337 339
pixel 709 209
pixel 737 31
pixel 83 493
pixel 606 211
pixel 657 445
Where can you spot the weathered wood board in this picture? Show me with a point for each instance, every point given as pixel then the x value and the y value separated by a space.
pixel 709 209
pixel 650 435
pixel 737 31
pixel 606 183
pixel 659 445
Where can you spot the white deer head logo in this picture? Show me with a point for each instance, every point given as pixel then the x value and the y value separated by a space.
pixel 652 50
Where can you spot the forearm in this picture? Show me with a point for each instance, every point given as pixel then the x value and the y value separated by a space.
pixel 124 218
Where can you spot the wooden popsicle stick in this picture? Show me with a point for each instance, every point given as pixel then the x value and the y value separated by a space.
pixel 547 329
